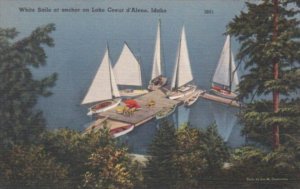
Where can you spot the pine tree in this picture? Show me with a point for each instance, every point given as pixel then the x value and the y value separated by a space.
pixel 109 167
pixel 214 149
pixel 160 171
pixel 19 90
pixel 268 33
pixel 189 160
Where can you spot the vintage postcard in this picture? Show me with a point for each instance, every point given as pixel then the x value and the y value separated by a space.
pixel 149 94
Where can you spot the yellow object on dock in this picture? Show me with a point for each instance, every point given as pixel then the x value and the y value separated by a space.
pixel 120 109
pixel 132 93
pixel 151 103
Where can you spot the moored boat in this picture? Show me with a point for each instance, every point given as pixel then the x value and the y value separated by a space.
pixel 103 90
pixel 182 75
pixel 225 79
pixel 157 83
pixel 119 131
pixel 182 92
pixel 104 106
pixel 192 98
pixel 114 132
pixel 223 92
pixel 165 112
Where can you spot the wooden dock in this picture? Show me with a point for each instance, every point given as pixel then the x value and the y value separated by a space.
pixel 146 113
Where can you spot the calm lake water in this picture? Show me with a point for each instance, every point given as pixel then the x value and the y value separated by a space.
pixel 81 37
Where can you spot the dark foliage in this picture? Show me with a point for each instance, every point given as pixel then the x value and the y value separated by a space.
pixel 31 167
pixel 160 171
pixel 187 158
pixel 266 42
pixel 19 121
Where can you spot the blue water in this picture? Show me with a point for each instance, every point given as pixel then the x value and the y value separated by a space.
pixel 80 40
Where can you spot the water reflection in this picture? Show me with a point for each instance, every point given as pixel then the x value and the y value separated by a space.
pixel 182 115
pixel 225 119
pixel 200 115
pixel 207 112
pixel 139 139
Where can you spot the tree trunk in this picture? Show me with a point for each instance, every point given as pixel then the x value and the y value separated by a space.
pixel 276 141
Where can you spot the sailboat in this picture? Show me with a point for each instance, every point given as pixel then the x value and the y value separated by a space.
pixel 103 90
pixel 225 79
pixel 157 79
pixel 182 74
pixel 128 72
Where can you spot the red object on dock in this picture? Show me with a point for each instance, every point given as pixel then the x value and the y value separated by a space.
pixel 130 103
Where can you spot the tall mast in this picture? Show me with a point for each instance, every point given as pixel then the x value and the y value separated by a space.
pixel 139 59
pixel 109 67
pixel 157 59
pixel 230 66
pixel 162 60
pixel 178 58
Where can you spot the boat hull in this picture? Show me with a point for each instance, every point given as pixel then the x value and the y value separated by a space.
pixel 224 94
pixel 192 99
pixel 119 131
pixel 171 111
pixel 155 85
pixel 188 90
pixel 103 106
pixel 95 126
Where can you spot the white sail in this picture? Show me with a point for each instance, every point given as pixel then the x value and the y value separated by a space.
pixel 235 78
pixel 222 72
pixel 175 72
pixel 182 72
pixel 102 87
pixel 115 90
pixel 157 59
pixel 127 69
